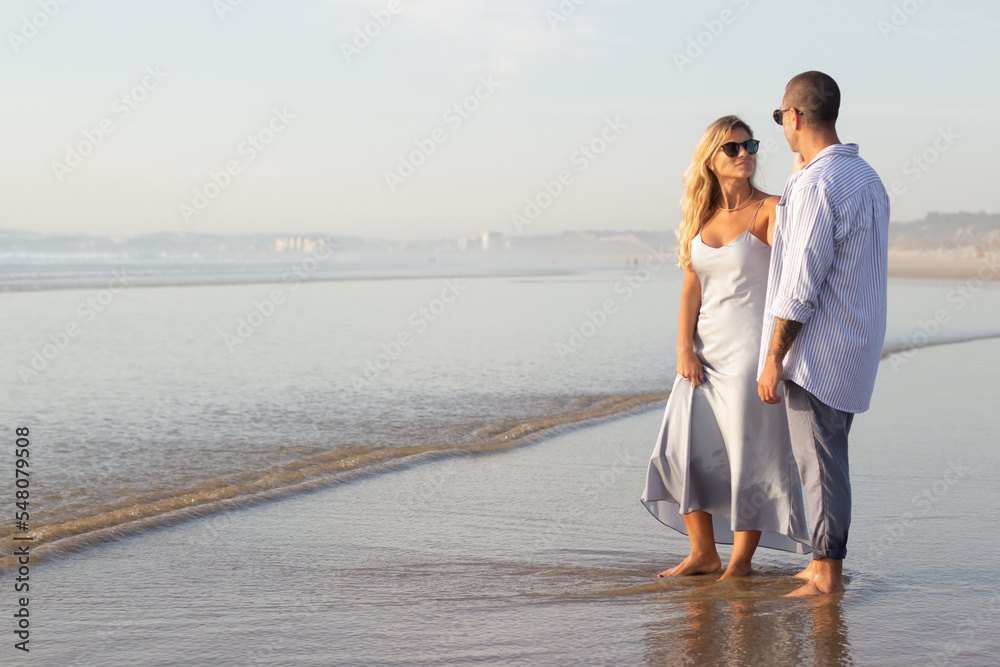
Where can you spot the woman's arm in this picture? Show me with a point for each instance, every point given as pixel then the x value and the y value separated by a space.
pixel 688 364
pixel 763 227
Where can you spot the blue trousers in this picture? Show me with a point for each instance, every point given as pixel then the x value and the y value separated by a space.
pixel 819 443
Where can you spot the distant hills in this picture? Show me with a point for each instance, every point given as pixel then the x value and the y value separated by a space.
pixel 937 230
pixel 948 230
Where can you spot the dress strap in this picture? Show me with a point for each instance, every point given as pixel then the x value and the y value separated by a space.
pixel 750 226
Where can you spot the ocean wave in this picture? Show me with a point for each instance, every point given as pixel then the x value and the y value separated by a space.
pixel 135 514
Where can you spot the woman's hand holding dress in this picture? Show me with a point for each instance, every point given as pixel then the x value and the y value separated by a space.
pixel 689 367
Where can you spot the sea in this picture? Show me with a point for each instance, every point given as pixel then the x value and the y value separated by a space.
pixel 516 403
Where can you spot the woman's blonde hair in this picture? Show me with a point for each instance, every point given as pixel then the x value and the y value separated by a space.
pixel 701 187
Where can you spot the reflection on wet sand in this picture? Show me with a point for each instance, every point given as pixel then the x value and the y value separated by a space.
pixel 746 622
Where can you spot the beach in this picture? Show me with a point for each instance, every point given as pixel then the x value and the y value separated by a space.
pixel 935 265
pixel 477 499
pixel 544 555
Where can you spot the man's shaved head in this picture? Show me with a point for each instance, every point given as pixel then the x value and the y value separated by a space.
pixel 816 96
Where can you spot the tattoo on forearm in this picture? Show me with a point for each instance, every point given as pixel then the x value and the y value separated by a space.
pixel 785 332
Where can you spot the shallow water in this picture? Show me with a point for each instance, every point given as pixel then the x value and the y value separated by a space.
pixel 544 555
pixel 160 403
pixel 146 421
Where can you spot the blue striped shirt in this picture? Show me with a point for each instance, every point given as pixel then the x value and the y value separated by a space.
pixel 828 271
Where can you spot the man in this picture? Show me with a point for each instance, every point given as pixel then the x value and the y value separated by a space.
pixel 824 318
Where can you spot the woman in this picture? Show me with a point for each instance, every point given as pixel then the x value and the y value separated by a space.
pixel 722 469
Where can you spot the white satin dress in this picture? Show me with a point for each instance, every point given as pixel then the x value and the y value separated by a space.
pixel 721 449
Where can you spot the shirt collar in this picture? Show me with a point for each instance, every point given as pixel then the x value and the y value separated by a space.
pixel 850 150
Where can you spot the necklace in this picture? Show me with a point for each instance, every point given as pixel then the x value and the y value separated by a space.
pixel 749 199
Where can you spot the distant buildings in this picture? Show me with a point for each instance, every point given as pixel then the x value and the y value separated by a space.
pixel 492 241
pixel 303 244
pixel 488 242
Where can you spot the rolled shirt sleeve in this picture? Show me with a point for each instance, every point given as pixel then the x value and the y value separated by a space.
pixel 829 272
pixel 808 255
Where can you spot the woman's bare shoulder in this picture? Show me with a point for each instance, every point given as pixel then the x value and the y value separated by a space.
pixel 770 202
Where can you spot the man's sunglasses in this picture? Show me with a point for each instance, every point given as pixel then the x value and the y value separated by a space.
pixel 732 149
pixel 778 114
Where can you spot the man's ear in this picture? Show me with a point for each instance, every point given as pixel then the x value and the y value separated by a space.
pixel 798 120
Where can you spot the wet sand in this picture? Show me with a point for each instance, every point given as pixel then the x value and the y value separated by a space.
pixel 544 555
pixel 903 264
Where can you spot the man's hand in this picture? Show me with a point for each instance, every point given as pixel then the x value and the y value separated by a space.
pixel 767 385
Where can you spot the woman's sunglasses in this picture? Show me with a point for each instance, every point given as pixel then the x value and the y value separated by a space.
pixel 732 149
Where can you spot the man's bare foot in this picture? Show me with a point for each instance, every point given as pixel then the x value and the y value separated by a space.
pixel 807 573
pixel 812 588
pixel 691 565
pixel 824 576
pixel 736 570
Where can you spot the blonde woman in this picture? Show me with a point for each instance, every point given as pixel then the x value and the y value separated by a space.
pixel 722 469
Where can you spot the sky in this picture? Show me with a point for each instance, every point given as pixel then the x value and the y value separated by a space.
pixel 418 119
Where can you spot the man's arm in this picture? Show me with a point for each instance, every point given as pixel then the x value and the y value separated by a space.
pixel 784 335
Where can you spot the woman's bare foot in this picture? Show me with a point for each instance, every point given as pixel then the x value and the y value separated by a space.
pixel 692 565
pixel 736 570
